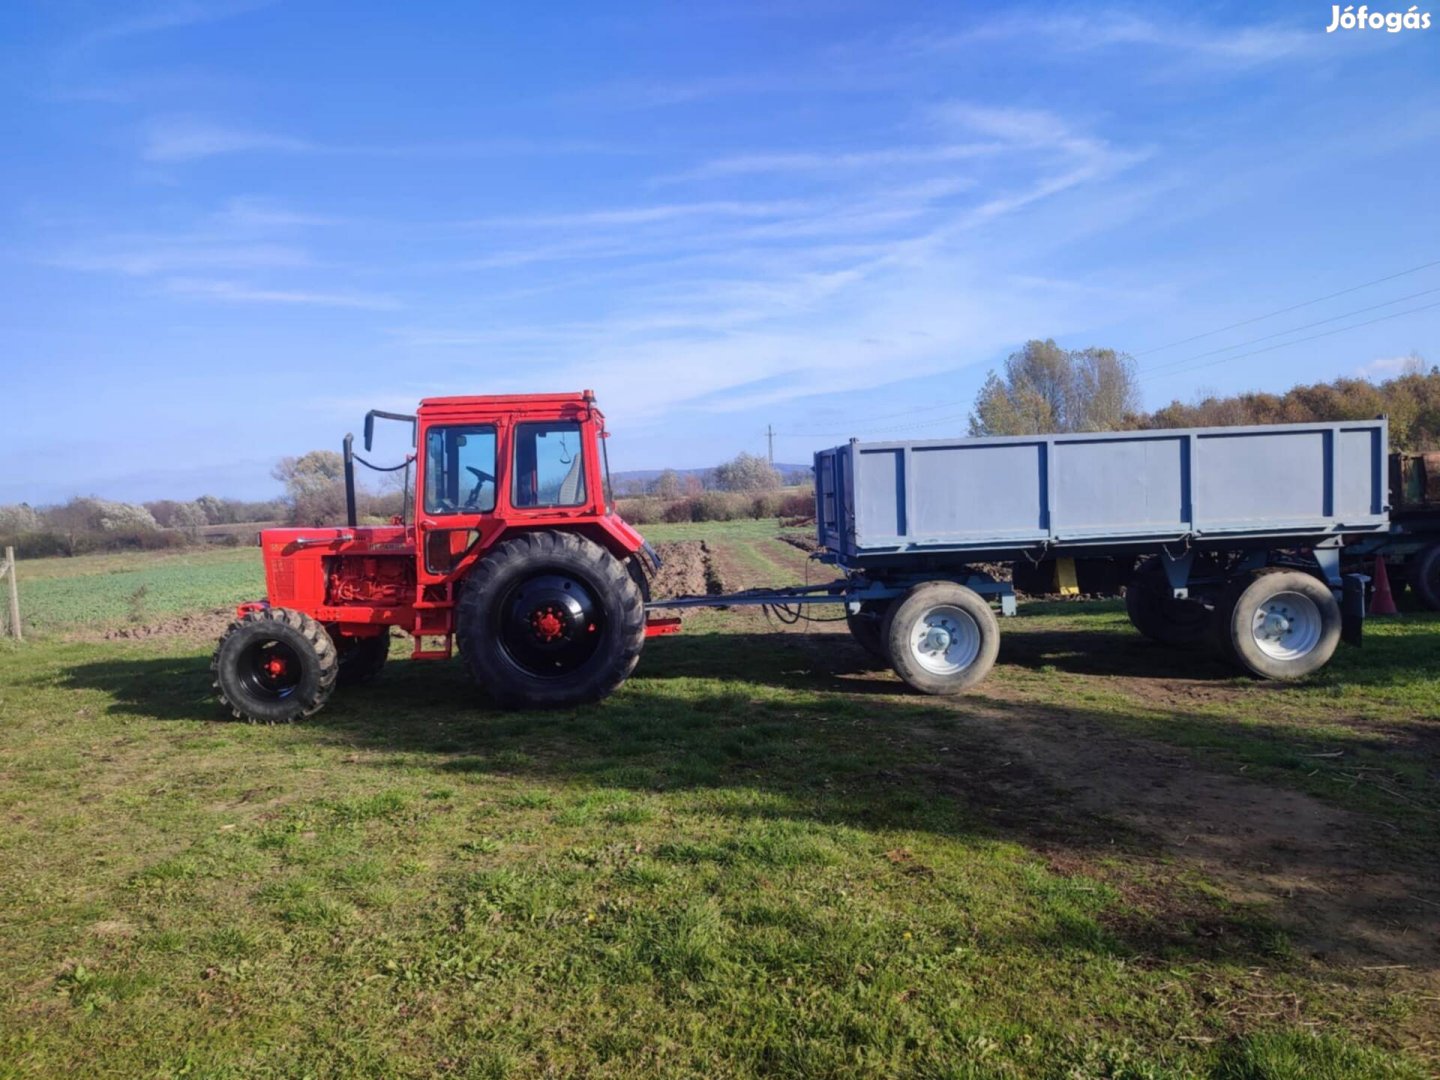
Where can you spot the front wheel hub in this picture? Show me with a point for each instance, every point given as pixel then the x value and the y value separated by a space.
pixel 270 670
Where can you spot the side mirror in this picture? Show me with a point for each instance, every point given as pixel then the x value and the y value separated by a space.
pixel 369 430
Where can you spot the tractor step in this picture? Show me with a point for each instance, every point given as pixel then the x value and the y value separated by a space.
pixel 419 652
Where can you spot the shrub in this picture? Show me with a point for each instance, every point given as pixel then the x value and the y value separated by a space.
pixel 41 544
pixel 718 506
pixel 797 504
pixel 643 511
pixel 679 510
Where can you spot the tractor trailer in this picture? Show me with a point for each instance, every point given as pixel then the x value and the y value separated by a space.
pixel 511 554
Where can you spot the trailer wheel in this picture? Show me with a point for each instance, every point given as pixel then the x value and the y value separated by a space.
pixel 275 666
pixel 1424 576
pixel 1277 623
pixel 361 659
pixel 867 627
pixel 1157 614
pixel 548 620
pixel 941 637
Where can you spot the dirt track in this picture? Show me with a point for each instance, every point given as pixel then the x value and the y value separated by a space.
pixel 1323 871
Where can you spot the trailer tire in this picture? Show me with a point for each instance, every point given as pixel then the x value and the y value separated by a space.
pixel 1423 575
pixel 1157 614
pixel 550 620
pixel 275 666
pixel 941 637
pixel 361 659
pixel 1277 623
pixel 868 627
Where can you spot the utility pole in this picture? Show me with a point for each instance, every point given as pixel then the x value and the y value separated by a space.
pixel 770 434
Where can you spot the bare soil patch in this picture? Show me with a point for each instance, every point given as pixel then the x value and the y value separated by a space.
pixel 200 625
pixel 1316 868
pixel 685 570
pixel 1315 865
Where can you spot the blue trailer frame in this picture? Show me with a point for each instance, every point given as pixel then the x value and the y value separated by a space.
pixel 1245 524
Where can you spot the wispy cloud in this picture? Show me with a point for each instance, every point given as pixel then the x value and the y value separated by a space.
pixel 642 215
pixel 250 212
pixel 1227 44
pixel 820 161
pixel 171 16
pixel 1388 367
pixel 179 139
pixel 146 256
pixel 239 292
pixel 78 73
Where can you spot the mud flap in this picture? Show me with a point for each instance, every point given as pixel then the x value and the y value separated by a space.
pixel 1352 609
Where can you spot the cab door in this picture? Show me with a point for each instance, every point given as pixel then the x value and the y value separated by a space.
pixel 457 492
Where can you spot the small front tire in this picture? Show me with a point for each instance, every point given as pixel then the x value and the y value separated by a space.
pixel 275 666
pixel 941 637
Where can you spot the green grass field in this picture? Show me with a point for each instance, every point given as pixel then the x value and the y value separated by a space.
pixel 98 591
pixel 760 858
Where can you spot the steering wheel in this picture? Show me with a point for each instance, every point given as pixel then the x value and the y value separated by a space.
pixel 480 477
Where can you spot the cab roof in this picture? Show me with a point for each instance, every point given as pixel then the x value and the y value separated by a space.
pixel 567 405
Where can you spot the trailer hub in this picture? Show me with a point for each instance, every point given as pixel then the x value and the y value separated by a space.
pixel 937 639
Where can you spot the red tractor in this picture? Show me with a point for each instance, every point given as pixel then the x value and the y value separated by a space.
pixel 513 556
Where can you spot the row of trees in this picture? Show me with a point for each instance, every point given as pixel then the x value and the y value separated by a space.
pixel 1044 388
pixel 314 495
pixel 743 473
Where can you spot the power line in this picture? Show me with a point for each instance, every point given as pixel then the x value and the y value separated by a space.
pixel 1312 337
pixel 1292 307
pixel 1165 367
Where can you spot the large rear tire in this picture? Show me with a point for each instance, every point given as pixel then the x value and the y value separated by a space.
pixel 941 637
pixel 550 620
pixel 1277 623
pixel 1155 612
pixel 275 666
pixel 1423 575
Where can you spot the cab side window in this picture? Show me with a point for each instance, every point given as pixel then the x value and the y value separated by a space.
pixel 460 469
pixel 549 465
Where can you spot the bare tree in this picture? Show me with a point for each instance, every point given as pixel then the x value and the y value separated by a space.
pixel 315 487
pixel 747 472
pixel 667 484
pixel 1046 388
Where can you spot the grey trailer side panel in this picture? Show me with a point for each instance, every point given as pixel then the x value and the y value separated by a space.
pixel 1294 481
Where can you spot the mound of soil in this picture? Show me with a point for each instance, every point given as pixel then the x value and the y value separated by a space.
pixel 200 625
pixel 805 541
pixel 684 570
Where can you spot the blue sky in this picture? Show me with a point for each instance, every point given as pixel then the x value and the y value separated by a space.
pixel 230 228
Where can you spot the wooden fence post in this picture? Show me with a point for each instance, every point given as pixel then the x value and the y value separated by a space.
pixel 9 572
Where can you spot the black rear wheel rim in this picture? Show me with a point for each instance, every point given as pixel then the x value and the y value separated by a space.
pixel 270 670
pixel 550 625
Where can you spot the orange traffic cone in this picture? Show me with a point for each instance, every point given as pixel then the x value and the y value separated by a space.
pixel 1382 603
